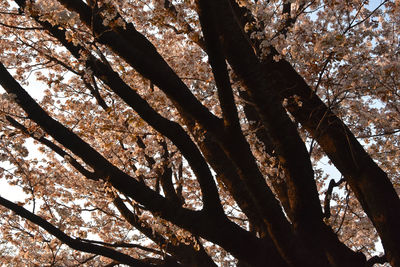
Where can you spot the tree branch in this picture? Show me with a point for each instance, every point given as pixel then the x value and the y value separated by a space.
pixel 137 50
pixel 328 195
pixel 367 180
pixel 90 175
pixel 166 177
pixel 293 154
pixel 184 253
pixel 71 242
pixel 232 141
pixel 303 195
pixel 67 138
pixel 215 228
pixel 219 67
pixel 170 129
pixel 120 245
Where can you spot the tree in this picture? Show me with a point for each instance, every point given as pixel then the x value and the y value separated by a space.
pixel 193 133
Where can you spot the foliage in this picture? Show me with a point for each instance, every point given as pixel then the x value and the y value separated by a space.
pixel 198 133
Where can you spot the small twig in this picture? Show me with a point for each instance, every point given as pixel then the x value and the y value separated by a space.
pixel 328 196
pixel 121 245
pixel 21 28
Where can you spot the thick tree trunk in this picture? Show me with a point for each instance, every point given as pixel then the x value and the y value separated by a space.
pixel 370 183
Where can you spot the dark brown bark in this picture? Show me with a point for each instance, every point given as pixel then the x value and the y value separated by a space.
pixel 248 166
pixel 303 197
pixel 293 155
pixel 370 183
pixel 227 172
pixel 255 124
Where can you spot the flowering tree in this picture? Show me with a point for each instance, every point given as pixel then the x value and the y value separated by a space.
pixel 194 133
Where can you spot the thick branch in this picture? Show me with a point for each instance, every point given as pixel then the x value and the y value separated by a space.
pixel 184 253
pixel 290 148
pixel 293 154
pixel 57 149
pixel 170 129
pixel 262 135
pixel 370 183
pixel 284 82
pixel 140 53
pixel 215 228
pixel 219 67
pixel 232 140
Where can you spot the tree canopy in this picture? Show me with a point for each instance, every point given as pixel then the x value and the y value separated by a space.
pixel 200 132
